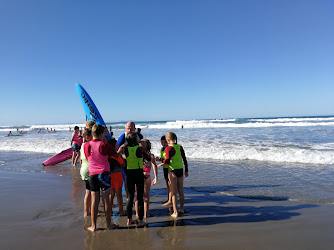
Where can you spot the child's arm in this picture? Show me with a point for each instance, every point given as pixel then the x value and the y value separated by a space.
pixel 185 162
pixel 72 137
pixel 154 170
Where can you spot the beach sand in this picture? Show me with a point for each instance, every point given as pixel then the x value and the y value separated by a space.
pixel 44 210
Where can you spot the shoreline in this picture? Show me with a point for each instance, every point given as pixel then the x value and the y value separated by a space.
pixel 46 210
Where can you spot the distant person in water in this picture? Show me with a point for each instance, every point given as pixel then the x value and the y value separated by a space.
pixel 76 142
pixel 10 133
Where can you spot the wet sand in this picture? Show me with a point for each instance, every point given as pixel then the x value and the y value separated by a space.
pixel 45 211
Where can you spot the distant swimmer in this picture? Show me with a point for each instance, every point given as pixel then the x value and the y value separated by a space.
pixel 182 126
pixel 39 131
pixel 10 133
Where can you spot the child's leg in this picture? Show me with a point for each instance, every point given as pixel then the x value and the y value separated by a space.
pixel 111 198
pixel 181 194
pixel 147 188
pixel 77 157
pixel 87 203
pixel 131 190
pixel 73 157
pixel 107 209
pixel 120 201
pixel 94 209
pixel 169 194
pixel 140 196
pixel 118 184
pixel 173 181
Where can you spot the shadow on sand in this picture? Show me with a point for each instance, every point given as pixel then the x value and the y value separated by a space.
pixel 208 205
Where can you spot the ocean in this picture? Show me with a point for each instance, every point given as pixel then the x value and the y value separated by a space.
pixel 254 158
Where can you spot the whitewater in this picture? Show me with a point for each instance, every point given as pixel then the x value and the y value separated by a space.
pixel 306 140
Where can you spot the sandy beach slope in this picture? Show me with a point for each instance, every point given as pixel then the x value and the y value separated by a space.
pixel 43 210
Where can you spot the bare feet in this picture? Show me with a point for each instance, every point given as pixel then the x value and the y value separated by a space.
pixel 91 229
pixel 174 215
pixel 181 211
pixel 131 222
pixel 167 204
pixel 112 226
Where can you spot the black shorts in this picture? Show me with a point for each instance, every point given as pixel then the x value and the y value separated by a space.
pixel 178 172
pixel 87 184
pixel 166 173
pixel 100 181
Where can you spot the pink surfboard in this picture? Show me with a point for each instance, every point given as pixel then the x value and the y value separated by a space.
pixel 62 156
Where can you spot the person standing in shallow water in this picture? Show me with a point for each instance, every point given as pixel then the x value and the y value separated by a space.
pixel 76 142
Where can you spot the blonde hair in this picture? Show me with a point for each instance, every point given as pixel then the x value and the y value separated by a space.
pixel 90 124
pixel 171 136
pixel 97 130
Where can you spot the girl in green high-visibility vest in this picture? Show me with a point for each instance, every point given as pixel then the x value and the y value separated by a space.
pixel 174 157
pixel 135 178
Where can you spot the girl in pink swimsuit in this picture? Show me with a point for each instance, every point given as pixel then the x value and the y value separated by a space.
pixel 147 165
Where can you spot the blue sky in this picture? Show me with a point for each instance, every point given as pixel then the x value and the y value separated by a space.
pixel 165 60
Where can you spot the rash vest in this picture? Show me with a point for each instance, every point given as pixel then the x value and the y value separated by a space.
pixel 98 163
pixel 133 162
pixel 176 160
pixel 163 157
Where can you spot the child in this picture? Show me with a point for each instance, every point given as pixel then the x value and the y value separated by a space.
pixel 84 172
pixel 90 124
pixel 116 168
pixel 174 156
pixel 164 144
pixel 76 142
pixel 135 178
pixel 97 152
pixel 145 143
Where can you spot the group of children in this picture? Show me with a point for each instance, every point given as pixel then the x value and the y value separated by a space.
pixel 102 163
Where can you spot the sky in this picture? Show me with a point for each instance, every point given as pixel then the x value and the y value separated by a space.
pixel 153 60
